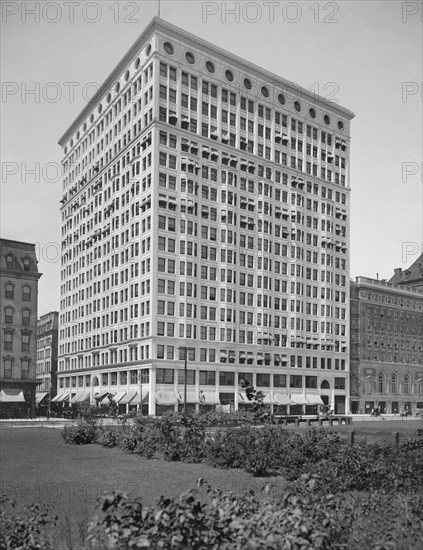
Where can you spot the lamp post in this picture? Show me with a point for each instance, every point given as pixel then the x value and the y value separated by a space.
pixel 185 348
pixel 140 382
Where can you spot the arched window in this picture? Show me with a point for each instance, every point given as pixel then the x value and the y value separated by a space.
pixel 325 385
pixel 96 381
pixel 26 293
pixel 26 316
pixel 406 384
pixel 419 386
pixel 381 383
pixel 26 264
pixel 394 383
pixel 8 315
pixel 9 290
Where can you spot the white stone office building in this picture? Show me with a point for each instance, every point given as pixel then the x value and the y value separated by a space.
pixel 205 206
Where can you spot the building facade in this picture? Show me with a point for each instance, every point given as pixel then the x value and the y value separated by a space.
pixel 386 347
pixel 411 277
pixel 205 212
pixel 19 298
pixel 47 348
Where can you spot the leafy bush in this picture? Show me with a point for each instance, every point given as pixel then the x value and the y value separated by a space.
pixel 31 532
pixel 82 433
pixel 109 438
pixel 227 522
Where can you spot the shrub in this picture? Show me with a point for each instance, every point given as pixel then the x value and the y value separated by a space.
pixel 82 433
pixel 227 522
pixel 109 438
pixel 31 532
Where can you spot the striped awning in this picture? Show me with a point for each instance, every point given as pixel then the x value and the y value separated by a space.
pixel 39 396
pixel 136 400
pixel 62 397
pixel 57 398
pixel 128 397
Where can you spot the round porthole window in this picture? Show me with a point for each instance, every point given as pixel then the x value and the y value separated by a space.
pixel 84 127
pixel 148 50
pixel 109 97
pixel 210 67
pixel 137 63
pixel 117 87
pixel 312 113
pixel 100 108
pixel 247 83
pixel 297 106
pixel 92 118
pixel 127 75
pixel 229 75
pixel 190 58
pixel 281 99
pixel 168 48
pixel 326 119
pixel 264 91
pixel 341 125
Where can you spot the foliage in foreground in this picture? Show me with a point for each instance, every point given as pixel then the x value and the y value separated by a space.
pixel 302 518
pixel 30 531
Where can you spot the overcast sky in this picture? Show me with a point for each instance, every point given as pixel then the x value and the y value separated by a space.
pixel 366 55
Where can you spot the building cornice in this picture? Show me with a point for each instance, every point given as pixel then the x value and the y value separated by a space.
pixel 160 25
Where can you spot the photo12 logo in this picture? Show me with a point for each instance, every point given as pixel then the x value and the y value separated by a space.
pixel 70 12
pixel 270 12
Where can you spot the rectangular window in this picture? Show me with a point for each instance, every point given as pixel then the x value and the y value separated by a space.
pixel 165 376
pixel 226 378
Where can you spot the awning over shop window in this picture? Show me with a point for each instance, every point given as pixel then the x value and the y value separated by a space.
pixel 244 399
pixel 120 395
pixel 128 397
pixel 39 396
pixel 57 398
pixel 82 397
pixel 281 398
pixel 136 400
pixel 77 397
pixel 267 399
pixel 314 399
pixel 63 397
pixel 299 399
pixel 100 395
pixel 166 397
pixel 192 396
pixel 209 397
pixel 12 396
pixel 106 400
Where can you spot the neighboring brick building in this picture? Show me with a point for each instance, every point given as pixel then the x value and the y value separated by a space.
pixel 18 326
pixel 386 346
pixel 411 277
pixel 47 336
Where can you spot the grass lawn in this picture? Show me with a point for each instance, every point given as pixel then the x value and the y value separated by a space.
pixel 37 466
